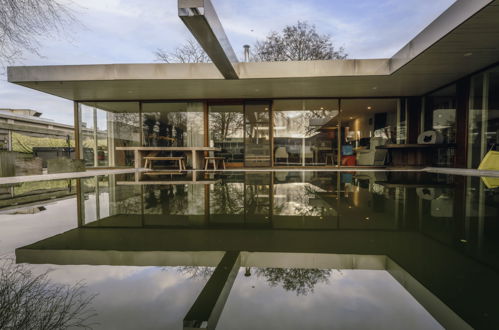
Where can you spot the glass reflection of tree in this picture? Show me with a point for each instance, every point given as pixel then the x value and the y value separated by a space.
pixel 227 198
pixel 301 281
pixel 165 129
pixel 301 124
pixel 29 301
pixel 225 124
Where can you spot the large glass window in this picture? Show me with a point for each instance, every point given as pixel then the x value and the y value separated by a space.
pixel 440 114
pixel 367 124
pixel 483 127
pixel 226 130
pixel 257 134
pixel 104 126
pixel 173 124
pixel 305 132
pixel 94 136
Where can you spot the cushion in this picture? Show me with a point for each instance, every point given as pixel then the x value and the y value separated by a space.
pixel 430 137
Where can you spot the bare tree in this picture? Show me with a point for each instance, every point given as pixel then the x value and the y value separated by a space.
pixel 299 42
pixel 22 23
pixel 190 52
pixel 29 301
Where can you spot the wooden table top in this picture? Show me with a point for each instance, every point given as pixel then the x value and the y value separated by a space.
pixel 169 148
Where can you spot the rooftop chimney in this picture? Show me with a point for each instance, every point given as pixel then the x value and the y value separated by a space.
pixel 246 53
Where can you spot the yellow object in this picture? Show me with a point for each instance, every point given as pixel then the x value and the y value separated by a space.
pixel 490 182
pixel 490 161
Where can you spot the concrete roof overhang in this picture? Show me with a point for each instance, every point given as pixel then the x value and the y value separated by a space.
pixel 463 40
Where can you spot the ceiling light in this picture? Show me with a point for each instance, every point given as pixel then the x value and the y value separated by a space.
pixel 369 108
pixel 351 117
pixel 322 108
pixel 468 54
pixel 375 87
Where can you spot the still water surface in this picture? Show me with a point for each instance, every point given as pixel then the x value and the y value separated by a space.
pixel 294 250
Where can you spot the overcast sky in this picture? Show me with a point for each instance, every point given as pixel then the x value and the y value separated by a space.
pixel 129 31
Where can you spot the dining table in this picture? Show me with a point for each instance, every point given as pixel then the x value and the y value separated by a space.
pixel 196 153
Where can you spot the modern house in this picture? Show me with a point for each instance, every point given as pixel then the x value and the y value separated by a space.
pixel 363 112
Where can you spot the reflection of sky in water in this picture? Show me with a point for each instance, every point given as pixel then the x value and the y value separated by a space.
pixel 133 297
pixel 128 297
pixel 351 299
pixel 23 229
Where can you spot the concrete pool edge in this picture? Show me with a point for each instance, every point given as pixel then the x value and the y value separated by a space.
pixel 71 175
pixel 462 171
pixel 75 175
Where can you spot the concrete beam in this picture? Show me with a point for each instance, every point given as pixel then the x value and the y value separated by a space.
pixel 201 19
pixel 208 307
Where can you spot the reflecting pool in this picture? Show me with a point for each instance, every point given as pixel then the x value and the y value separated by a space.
pixel 253 250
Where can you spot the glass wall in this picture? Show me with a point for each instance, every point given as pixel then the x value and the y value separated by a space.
pixel 285 132
pixel 104 126
pixel 173 124
pixel 483 124
pixel 305 132
pixel 93 128
pixel 257 134
pixel 226 131
pixel 367 124
pixel 440 114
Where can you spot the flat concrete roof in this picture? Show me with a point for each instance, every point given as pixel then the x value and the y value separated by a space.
pixel 463 40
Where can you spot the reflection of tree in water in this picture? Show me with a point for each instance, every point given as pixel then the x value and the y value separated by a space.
pixel 171 199
pixel 302 281
pixel 298 201
pixel 257 199
pixel 196 272
pixel 29 301
pixel 227 198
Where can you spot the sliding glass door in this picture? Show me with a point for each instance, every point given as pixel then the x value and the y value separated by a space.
pixel 226 132
pixel 305 132
pixel 257 134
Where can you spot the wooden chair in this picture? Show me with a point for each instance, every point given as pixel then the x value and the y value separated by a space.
pixel 332 156
pixel 211 157
pixel 281 153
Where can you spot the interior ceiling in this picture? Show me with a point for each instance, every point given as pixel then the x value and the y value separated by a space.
pixel 470 47
pixel 362 107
